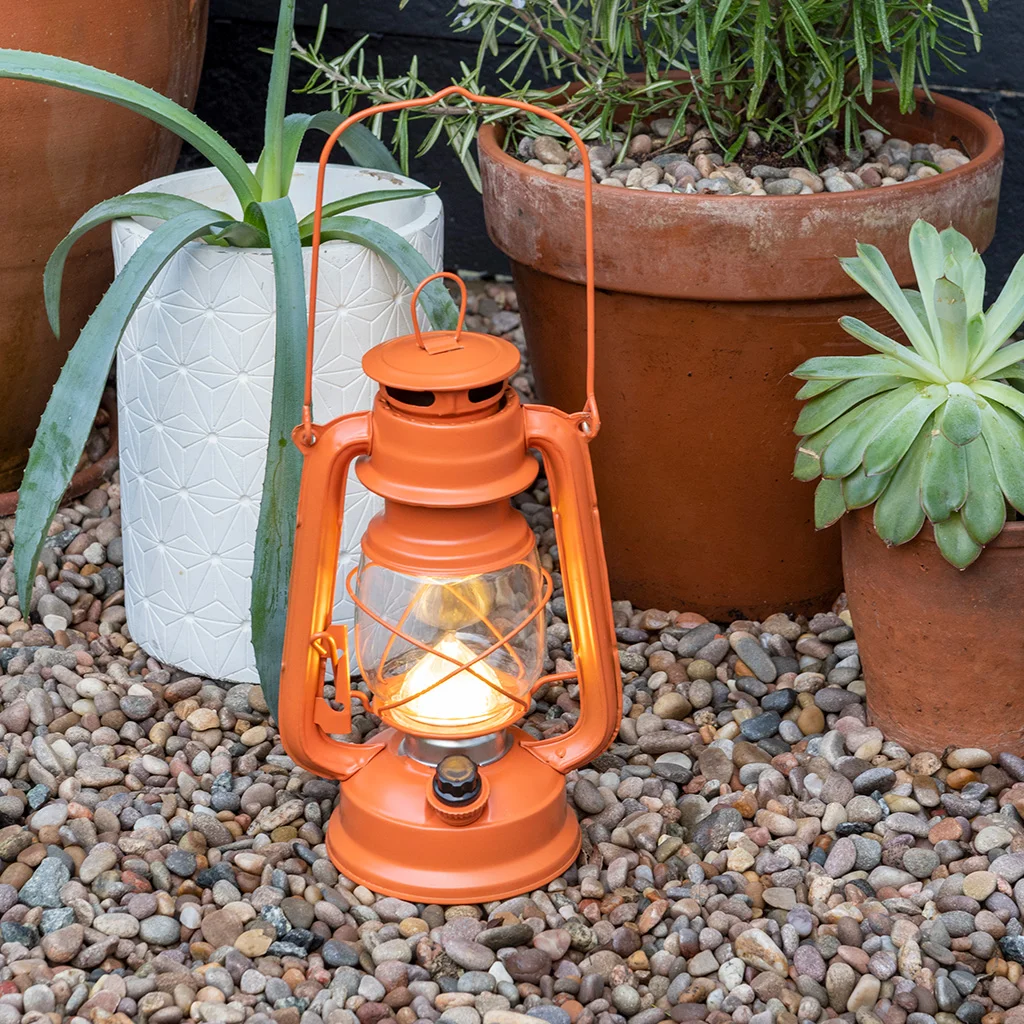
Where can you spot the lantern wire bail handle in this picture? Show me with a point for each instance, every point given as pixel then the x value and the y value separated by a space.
pixel 439 341
pixel 588 420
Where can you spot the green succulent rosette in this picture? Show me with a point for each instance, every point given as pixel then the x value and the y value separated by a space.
pixel 931 430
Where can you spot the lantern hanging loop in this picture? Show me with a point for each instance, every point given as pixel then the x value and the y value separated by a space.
pixel 432 343
pixel 588 420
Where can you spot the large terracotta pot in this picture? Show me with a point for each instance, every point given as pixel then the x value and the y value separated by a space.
pixel 942 650
pixel 705 304
pixel 62 153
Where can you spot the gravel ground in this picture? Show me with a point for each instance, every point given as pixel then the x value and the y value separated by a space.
pixel 693 163
pixel 753 851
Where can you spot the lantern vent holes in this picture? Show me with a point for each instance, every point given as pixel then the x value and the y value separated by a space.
pixel 423 399
pixel 488 391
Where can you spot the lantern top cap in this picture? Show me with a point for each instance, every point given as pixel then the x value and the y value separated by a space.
pixel 456 360
pixel 459 361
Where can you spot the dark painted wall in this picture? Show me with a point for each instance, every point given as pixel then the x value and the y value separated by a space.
pixel 233 92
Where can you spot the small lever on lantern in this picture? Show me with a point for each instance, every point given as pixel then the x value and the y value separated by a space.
pixel 332 645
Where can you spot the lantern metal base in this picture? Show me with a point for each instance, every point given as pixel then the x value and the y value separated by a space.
pixel 385 835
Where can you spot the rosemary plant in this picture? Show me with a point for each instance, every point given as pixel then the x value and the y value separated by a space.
pixel 795 71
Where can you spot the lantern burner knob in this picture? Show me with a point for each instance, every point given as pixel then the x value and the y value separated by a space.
pixel 457 780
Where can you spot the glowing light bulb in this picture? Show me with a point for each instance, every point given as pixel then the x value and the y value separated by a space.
pixel 465 697
pixel 452 604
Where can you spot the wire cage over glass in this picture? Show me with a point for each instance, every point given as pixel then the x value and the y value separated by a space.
pixel 452 656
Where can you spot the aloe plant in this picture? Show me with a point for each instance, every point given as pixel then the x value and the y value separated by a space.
pixel 268 220
pixel 931 430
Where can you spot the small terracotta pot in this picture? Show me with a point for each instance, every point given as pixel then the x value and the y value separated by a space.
pixel 942 649
pixel 62 153
pixel 704 306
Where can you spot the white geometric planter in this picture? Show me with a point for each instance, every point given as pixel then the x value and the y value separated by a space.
pixel 194 376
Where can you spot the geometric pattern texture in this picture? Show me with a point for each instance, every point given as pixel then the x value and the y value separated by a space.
pixel 194 375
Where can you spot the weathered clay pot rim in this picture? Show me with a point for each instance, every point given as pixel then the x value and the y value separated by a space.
pixel 706 248
pixel 492 136
pixel 1012 535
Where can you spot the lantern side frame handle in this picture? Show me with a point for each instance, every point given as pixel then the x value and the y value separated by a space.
pixel 561 439
pixel 589 418
pixel 305 719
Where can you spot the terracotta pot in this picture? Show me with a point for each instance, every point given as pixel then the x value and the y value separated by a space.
pixel 705 305
pixel 942 650
pixel 62 153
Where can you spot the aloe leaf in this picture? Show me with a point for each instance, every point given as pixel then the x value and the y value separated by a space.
pixel 951 312
pixel 846 451
pixel 242 236
pixel 441 310
pixel 895 440
pixel 829 505
pixel 134 204
pixel 955 542
pixel 69 74
pixel 943 479
pixel 1005 440
pixel 848 367
pixel 929 260
pixel 819 412
pixel 365 149
pixel 873 274
pixel 293 130
pixel 960 419
pixel 340 206
pixel 914 365
pixel 813 388
pixel 898 512
pixel 362 146
pixel 67 419
pixel 1005 315
pixel 276 178
pixel 984 512
pixel 860 490
pixel 275 532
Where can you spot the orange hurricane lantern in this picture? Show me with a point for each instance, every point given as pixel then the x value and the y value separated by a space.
pixel 451 802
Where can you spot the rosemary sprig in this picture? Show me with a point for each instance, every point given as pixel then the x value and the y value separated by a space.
pixel 795 71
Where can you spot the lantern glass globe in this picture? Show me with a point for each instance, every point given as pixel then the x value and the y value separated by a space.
pixel 451 656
